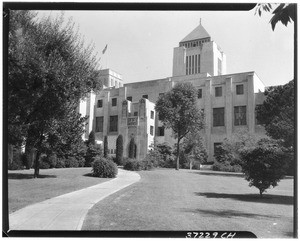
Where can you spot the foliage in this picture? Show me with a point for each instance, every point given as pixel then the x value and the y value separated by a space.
pixel 71 162
pixel 104 168
pixel 92 151
pixel 278 113
pixel 284 12
pixel 264 165
pixel 50 70
pixel 105 147
pixel 133 164
pixel 92 138
pixel 228 154
pixel 132 149
pixel 178 111
pixel 49 161
pixel 16 163
pixel 119 150
pixel 60 163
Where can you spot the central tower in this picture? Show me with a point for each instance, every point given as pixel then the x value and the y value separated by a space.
pixel 198 54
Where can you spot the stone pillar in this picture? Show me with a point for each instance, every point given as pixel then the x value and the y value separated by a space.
pixel 251 104
pixel 208 117
pixel 228 106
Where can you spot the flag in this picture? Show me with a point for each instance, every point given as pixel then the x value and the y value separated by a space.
pixel 103 51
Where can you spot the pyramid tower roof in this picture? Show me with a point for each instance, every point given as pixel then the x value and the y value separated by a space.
pixel 198 33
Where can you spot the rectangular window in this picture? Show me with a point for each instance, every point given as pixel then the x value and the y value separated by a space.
pixel 152 114
pixel 193 67
pixel 218 116
pixel 100 104
pixel 218 91
pixel 240 115
pixel 219 67
pixel 114 101
pixel 199 63
pixel 129 98
pixel 196 65
pixel 151 130
pixel 113 123
pixel 99 124
pixel 145 96
pixel 161 131
pixel 186 65
pixel 199 93
pixel 239 89
pixel 135 113
pixel 190 61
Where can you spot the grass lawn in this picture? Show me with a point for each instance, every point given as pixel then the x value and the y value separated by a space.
pixel 170 200
pixel 24 190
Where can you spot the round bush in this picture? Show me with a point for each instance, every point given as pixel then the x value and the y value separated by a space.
pixel 71 162
pixel 133 165
pixel 104 168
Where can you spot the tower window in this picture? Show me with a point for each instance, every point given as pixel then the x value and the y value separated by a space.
pixel 135 113
pixel 145 96
pixel 129 98
pixel 240 89
pixel 198 63
pixel 114 101
pixel 218 91
pixel 193 66
pixel 99 103
pixel 240 115
pixel 199 93
pixel 190 61
pixel 218 116
pixel 186 65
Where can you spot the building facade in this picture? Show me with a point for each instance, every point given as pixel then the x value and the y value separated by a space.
pixel 228 100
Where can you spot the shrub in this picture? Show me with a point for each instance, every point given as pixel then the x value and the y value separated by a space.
pixel 133 165
pixel 49 161
pixel 43 162
pixel 264 165
pixel 92 151
pixel 132 149
pixel 119 150
pixel 81 161
pixel 104 168
pixel 226 167
pixel 60 163
pixel 16 163
pixel 105 147
pixel 71 162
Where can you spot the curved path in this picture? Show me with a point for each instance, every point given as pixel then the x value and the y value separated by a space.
pixel 67 212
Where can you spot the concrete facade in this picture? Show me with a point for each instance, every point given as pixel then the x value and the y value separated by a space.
pixel 228 100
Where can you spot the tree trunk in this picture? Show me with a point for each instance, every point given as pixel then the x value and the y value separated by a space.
pixel 191 165
pixel 260 193
pixel 177 158
pixel 37 165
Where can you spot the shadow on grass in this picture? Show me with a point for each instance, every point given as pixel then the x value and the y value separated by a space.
pixel 27 176
pixel 88 175
pixel 267 198
pixel 228 213
pixel 215 173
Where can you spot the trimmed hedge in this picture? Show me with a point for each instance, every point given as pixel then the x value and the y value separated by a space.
pixel 133 164
pixel 104 168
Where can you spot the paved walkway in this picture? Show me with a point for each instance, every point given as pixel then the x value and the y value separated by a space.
pixel 67 212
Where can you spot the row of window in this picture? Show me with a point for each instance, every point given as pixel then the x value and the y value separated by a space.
pixel 239 116
pixel 218 91
pixel 192 64
pixel 194 43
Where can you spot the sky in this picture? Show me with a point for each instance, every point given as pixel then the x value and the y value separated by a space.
pixel 140 43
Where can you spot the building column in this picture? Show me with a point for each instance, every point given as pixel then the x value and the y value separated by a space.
pixel 228 106
pixel 208 118
pixel 251 104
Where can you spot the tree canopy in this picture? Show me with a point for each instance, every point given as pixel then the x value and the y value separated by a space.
pixel 278 113
pixel 49 71
pixel 178 111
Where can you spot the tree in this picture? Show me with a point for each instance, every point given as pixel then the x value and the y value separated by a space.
pixel 178 111
pixel 49 71
pixel 132 149
pixel 284 12
pixel 277 113
pixel 105 147
pixel 92 139
pixel 264 165
pixel 119 150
